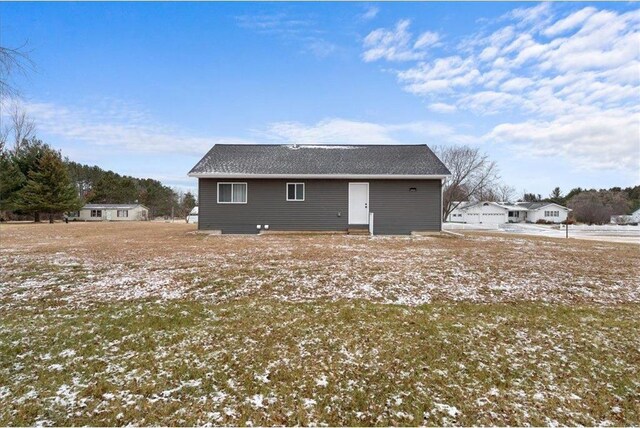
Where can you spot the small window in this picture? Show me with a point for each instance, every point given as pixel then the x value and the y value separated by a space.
pixel 123 213
pixel 232 193
pixel 295 192
pixel 96 213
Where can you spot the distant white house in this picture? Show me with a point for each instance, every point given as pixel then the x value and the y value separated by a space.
pixel 112 212
pixel 493 213
pixel 192 217
pixel 632 218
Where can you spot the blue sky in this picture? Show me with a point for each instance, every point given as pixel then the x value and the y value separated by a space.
pixel 550 91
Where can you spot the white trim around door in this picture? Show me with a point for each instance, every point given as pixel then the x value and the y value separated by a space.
pixel 359 203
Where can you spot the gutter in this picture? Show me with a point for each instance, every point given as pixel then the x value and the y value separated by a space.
pixel 325 176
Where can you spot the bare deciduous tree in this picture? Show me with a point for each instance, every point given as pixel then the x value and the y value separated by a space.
pixel 12 61
pixel 598 207
pixel 504 193
pixel 20 128
pixel 472 173
pixel 23 126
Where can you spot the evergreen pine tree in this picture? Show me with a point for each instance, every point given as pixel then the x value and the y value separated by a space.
pixel 188 202
pixel 48 188
pixel 11 180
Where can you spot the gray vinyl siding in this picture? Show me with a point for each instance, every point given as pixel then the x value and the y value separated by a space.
pixel 398 211
pixel 325 208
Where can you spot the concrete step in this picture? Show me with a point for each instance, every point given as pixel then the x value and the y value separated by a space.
pixel 358 231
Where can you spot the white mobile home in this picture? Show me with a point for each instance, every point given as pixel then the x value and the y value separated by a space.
pixel 113 212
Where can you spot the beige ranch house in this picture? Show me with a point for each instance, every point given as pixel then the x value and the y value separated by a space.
pixel 112 212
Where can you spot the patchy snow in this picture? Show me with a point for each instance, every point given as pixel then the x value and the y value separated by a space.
pixel 606 233
pixel 67 353
pixel 214 370
pixel 256 401
pixel 309 403
pixel 445 408
pixel 389 270
pixel 322 381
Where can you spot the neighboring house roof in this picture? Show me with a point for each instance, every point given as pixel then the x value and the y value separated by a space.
pixel 269 160
pixel 538 205
pixel 519 206
pixel 112 206
pixel 513 207
pixel 194 211
pixel 461 204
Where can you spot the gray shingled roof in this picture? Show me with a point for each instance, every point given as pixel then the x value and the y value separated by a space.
pixel 270 159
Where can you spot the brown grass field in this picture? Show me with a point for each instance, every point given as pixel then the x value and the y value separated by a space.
pixel 152 323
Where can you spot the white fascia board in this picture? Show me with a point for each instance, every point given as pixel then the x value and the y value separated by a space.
pixel 320 176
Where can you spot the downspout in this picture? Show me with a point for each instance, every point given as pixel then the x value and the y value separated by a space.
pixel 441 201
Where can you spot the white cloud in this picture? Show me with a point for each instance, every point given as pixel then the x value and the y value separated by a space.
pixel 600 141
pixel 530 15
pixel 301 30
pixel 396 44
pixel 561 80
pixel 344 131
pixel 320 48
pixel 332 131
pixel 570 22
pixel 441 75
pixel 516 84
pixel 118 126
pixel 442 108
pixel 426 39
pixel 370 13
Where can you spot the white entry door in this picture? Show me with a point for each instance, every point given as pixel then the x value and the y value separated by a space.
pixel 358 203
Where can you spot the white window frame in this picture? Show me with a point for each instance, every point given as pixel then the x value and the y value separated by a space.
pixel 96 214
pixel 122 213
pixel 304 192
pixel 246 193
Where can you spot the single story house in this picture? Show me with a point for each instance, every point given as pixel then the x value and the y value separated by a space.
pixel 391 189
pixel 111 212
pixel 633 218
pixel 494 213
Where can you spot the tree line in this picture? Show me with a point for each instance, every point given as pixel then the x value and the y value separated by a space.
pixel 36 180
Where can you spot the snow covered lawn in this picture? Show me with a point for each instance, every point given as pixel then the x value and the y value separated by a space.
pixel 606 233
pixel 149 323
